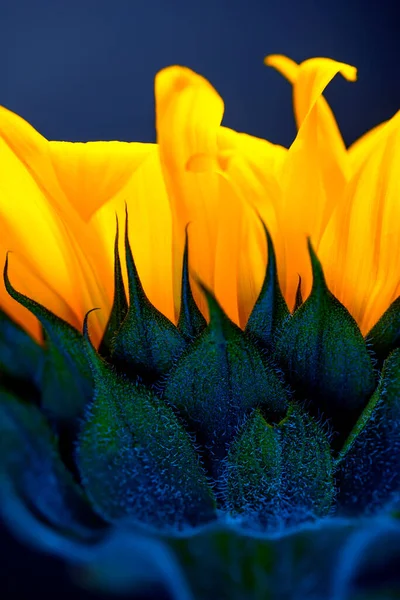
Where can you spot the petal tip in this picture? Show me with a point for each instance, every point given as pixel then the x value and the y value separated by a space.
pixel 270 59
pixel 349 72
pixel 179 78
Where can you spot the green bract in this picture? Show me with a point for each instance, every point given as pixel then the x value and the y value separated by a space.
pixel 230 451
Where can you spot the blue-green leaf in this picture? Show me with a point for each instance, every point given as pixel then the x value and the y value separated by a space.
pixel 147 343
pixel 136 460
pixel 191 321
pixel 384 337
pixel 279 475
pixel 31 467
pixel 119 306
pixel 368 467
pixel 324 355
pixel 219 379
pixel 270 310
pixel 229 564
pixel 66 380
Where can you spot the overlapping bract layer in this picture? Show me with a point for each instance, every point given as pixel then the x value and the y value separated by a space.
pixel 256 422
pixel 175 427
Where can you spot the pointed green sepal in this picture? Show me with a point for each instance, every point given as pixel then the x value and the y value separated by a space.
pixel 136 460
pixel 253 471
pixel 147 343
pixel 31 468
pixel 21 359
pixel 298 301
pixel 66 379
pixel 120 303
pixel 324 355
pixel 221 377
pixel 270 310
pixel 384 337
pixel 368 467
pixel 191 321
pixel 279 475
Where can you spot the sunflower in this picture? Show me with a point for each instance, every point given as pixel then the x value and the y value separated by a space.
pixel 237 412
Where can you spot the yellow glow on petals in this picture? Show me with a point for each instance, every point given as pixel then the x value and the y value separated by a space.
pixel 58 202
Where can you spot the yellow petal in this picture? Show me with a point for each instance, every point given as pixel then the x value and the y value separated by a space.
pixel 249 188
pixel 240 253
pixel 92 173
pixel 361 247
pixel 256 166
pixel 253 168
pixel 316 171
pixel 150 232
pixel 227 249
pixel 363 147
pixel 188 115
pixel 29 225
pixel 84 174
pixel 309 79
pixel 56 185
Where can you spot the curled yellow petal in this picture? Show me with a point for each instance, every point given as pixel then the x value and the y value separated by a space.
pixel 316 170
pixel 310 79
pixel 188 115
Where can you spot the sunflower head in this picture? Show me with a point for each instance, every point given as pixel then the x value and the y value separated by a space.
pixel 240 391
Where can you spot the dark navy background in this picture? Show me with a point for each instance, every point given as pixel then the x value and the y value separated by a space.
pixel 84 69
